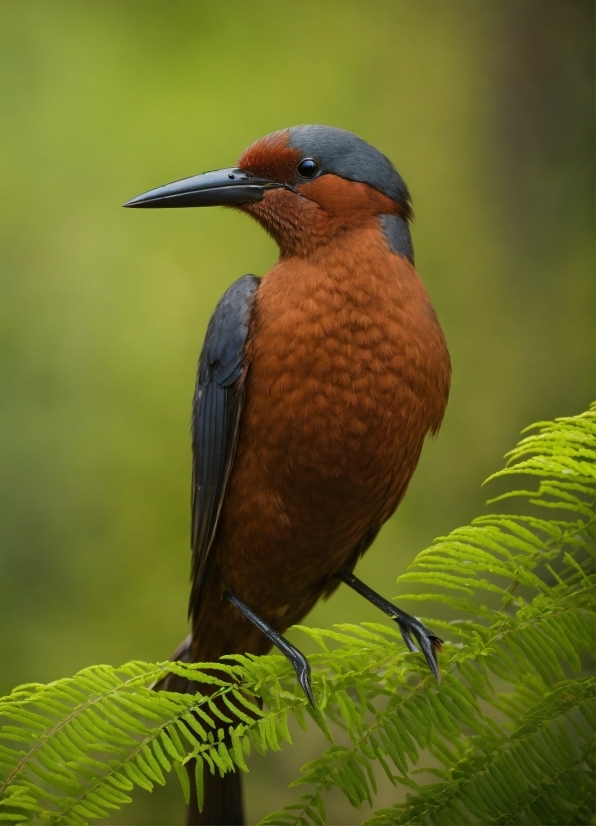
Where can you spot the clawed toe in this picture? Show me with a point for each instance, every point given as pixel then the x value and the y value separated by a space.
pixel 302 669
pixel 299 661
pixel 408 625
pixel 428 642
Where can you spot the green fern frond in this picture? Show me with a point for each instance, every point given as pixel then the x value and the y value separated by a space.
pixel 521 589
pixel 547 756
pixel 537 640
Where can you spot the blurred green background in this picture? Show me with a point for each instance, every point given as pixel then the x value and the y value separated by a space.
pixel 486 110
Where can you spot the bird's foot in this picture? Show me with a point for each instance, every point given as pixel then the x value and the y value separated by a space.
pixel 296 657
pixel 408 625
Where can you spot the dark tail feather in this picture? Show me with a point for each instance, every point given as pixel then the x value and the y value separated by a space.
pixel 223 802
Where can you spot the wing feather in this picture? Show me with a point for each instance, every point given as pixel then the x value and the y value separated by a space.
pixel 217 405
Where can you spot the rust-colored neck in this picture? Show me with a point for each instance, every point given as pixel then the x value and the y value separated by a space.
pixel 320 213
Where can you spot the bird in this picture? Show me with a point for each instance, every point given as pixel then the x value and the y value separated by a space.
pixel 316 387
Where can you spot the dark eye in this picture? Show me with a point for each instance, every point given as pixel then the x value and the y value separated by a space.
pixel 308 168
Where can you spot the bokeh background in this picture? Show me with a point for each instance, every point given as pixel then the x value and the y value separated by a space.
pixel 486 110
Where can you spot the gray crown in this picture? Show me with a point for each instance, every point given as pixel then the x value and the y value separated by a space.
pixel 345 154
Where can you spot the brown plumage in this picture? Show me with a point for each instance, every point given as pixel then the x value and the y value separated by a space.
pixel 316 389
pixel 347 370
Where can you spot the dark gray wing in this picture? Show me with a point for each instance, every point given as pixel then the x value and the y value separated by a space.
pixel 217 405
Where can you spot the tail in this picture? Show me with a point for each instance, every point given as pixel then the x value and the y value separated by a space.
pixel 223 800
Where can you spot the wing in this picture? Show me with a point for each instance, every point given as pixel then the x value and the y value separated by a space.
pixel 217 405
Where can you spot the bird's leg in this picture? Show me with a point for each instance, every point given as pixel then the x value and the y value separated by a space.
pixel 297 658
pixel 408 624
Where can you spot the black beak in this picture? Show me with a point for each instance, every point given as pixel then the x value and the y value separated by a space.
pixel 220 188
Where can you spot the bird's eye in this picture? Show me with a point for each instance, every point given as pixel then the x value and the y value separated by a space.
pixel 308 168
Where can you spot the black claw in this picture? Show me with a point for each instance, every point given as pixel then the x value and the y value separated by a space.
pixel 407 639
pixel 298 660
pixel 428 642
pixel 296 657
pixel 303 673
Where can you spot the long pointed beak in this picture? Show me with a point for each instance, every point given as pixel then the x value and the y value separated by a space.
pixel 220 188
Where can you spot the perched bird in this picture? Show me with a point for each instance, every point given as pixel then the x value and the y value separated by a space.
pixel 316 387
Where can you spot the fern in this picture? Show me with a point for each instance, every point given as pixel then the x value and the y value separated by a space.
pixel 520 587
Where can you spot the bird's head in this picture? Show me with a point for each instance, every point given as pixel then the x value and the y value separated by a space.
pixel 306 185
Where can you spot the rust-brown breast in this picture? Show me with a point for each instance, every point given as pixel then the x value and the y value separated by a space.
pixel 348 372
